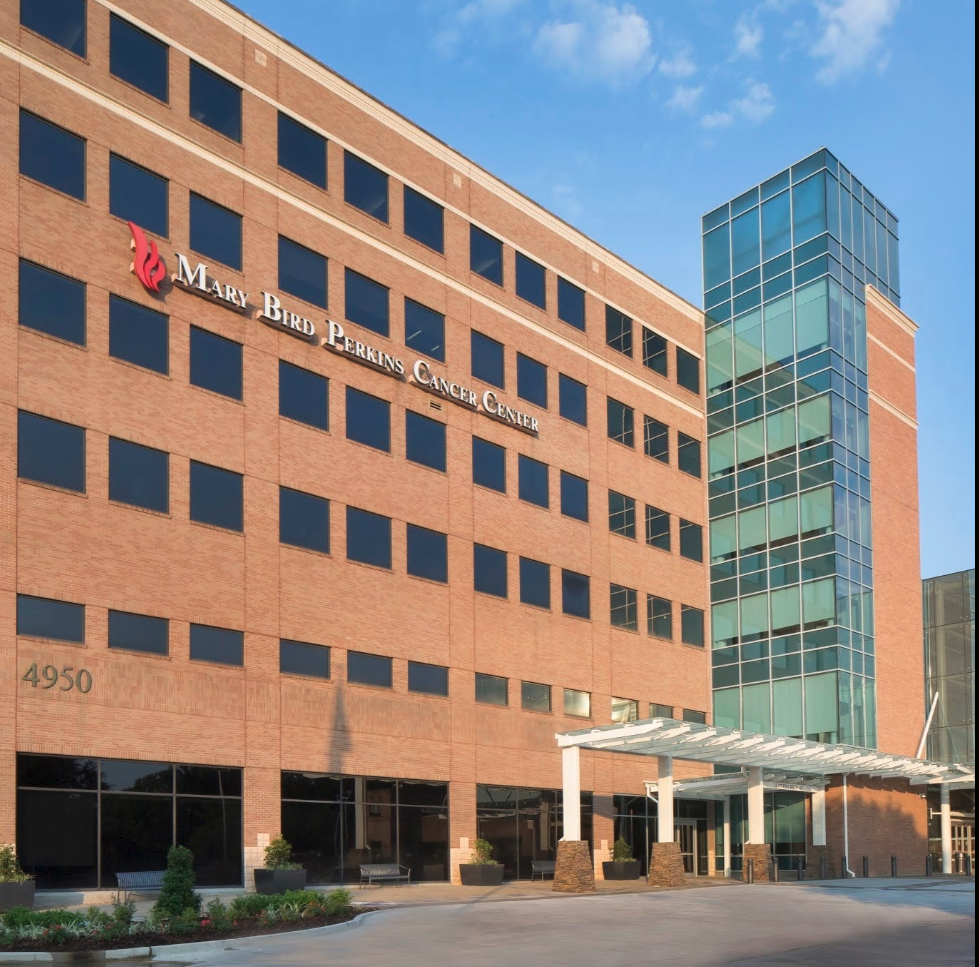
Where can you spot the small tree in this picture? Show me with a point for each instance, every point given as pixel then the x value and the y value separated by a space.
pixel 178 895
pixel 10 871
pixel 278 855
pixel 482 853
pixel 621 851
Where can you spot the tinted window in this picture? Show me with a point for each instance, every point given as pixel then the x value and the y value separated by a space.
pixel 365 187
pixel 429 679
pixel 618 331
pixel 571 304
pixel 424 220
pixel 621 423
pixel 368 419
pixel 138 58
pixel 487 359
pixel 531 281
pixel 659 619
pixel 485 255
pixel 574 496
pixel 425 440
pixel 489 570
pixel 139 335
pixel 303 396
pixel 215 102
pixel 52 155
pixel 61 21
pixel 304 520
pixel 50 452
pixel 653 351
pixel 691 540
pixel 624 710
pixel 57 772
pixel 138 195
pixel 691 715
pixel 535 583
pixel 366 303
pixel 367 669
pixel 51 302
pixel 215 231
pixel 428 554
pixel 657 710
pixel 531 380
pixel 576 594
pixel 657 528
pixel 691 625
pixel 368 538
pixel 216 496
pixel 489 465
pixel 139 475
pixel 535 697
pixel 656 439
pixel 47 618
pixel 139 632
pixel 424 329
pixel 577 703
pixel 573 399
pixel 688 454
pixel 302 272
pixel 215 363
pixel 622 608
pixel 491 689
pixel 532 481
pixel 301 151
pixel 687 370
pixel 220 645
pixel 621 514
pixel 302 658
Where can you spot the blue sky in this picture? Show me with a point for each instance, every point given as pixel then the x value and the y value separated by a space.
pixel 631 120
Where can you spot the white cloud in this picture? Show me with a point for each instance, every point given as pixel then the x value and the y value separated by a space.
pixel 748 35
pixel 681 65
pixel 567 202
pixel 757 104
pixel 850 36
pixel 685 98
pixel 485 15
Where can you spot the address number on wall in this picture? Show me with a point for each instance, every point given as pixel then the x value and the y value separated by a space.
pixel 66 678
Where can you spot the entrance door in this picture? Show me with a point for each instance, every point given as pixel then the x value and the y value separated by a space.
pixel 685 833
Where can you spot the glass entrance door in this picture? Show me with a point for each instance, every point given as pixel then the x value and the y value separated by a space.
pixel 685 833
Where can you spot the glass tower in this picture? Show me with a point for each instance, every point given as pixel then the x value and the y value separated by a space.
pixel 791 548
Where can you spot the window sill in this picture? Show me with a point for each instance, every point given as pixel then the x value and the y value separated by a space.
pixel 628 631
pixel 50 335
pixel 531 503
pixel 492 490
pixel 126 221
pixel 505 705
pixel 576 617
pixel 426 246
pixel 55 487
pixel 56 45
pixel 425 466
pixel 425 580
pixel 415 691
pixel 38 640
pixel 380 221
pixel 529 302
pixel 142 369
pixel 491 596
pixel 381 688
pixel 367 446
pixel 299 676
pixel 57 191
pixel 537 711
pixel 217 393
pixel 216 527
pixel 212 259
pixel 133 87
pixel 238 142
pixel 580 520
pixel 537 607
pixel 164 514
pixel 294 174
pixel 309 426
pixel 306 550
pixel 385 568
pixel 567 419
pixel 142 654
pixel 498 285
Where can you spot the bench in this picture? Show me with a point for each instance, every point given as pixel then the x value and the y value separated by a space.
pixel 544 867
pixel 371 873
pixel 147 882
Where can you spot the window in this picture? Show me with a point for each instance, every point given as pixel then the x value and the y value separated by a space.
pixel 621 423
pixel 215 363
pixel 424 330
pixel 659 617
pixel 50 452
pixel 574 496
pixel 215 101
pixel 302 151
pixel 691 625
pixel 657 528
pixel 139 475
pixel 687 370
pixel 570 304
pixel 138 58
pixel 368 538
pixel 653 351
pixel 691 540
pixel 139 632
pixel 61 21
pixel 368 420
pixel 491 689
pixel 532 481
pixel 487 359
pixel 573 399
pixel 656 439
pixel 365 187
pixel 688 454
pixel 428 679
pixel 623 608
pixel 215 231
pixel 485 255
pixel 47 618
pixel 428 554
pixel 424 220
pixel 51 302
pixel 535 697
pixel 531 281
pixel 621 514
pixel 624 710
pixel 575 594
pixel 139 335
pixel 304 520
pixel 304 396
pixel 52 155
pixel 366 303
pixel 618 331
pixel 302 658
pixel 535 583
pixel 659 711
pixel 219 645
pixel 531 380
pixel 216 496
pixel 489 465
pixel 138 195
pixel 424 440
pixel 489 570
pixel 577 703
pixel 364 669
pixel 690 715
pixel 302 272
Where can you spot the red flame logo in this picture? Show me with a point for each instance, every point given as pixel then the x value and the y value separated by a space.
pixel 147 265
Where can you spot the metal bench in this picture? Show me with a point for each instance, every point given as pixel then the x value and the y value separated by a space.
pixel 146 882
pixel 371 873
pixel 544 867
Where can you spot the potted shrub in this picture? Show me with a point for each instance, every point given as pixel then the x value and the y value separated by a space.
pixel 623 865
pixel 16 886
pixel 482 869
pixel 281 874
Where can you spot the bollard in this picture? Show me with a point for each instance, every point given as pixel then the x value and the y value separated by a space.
pixel 822 866
pixel 893 866
pixel 928 864
pixel 968 864
pixel 843 867
pixel 751 871
pixel 774 870
pixel 960 862
pixel 866 867
pixel 799 868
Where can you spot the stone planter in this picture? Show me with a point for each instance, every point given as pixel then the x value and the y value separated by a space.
pixel 279 881
pixel 17 895
pixel 621 869
pixel 481 874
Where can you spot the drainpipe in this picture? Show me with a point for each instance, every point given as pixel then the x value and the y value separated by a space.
pixel 846 832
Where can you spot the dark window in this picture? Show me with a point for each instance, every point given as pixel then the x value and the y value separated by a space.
pixel 215 231
pixel 220 645
pixel 655 439
pixel 576 594
pixel 51 302
pixel 366 303
pixel 52 155
pixel 138 58
pixel 138 195
pixel 47 618
pixel 691 540
pixel 302 272
pixel 531 281
pixel 574 496
pixel 215 102
pixel 485 255
pixel 687 370
pixel 424 440
pixel 368 420
pixel 302 151
pixel 216 496
pixel 660 711
pixel 535 583
pixel 532 481
pixel 428 554
pixel 304 520
pixel 487 359
pixel 304 396
pixel 571 304
pixel 531 380
pixel 659 617
pixel 428 679
pixel 618 331
pixel 621 423
pixel 654 351
pixel 139 632
pixel 215 363
pixel 623 608
pixel 657 528
pixel 691 715
pixel 424 220
pixel 302 658
pixel 365 187
pixel 424 329
pixel 57 772
pixel 572 399
pixel 491 689
pixel 489 465
pixel 489 570
pixel 368 538
pixel 688 454
pixel 50 452
pixel 139 475
pixel 61 21
pixel 691 625
pixel 535 697
pixel 621 514
pixel 139 335
pixel 365 669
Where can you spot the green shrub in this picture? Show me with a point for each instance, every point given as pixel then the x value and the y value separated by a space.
pixel 178 894
pixel 621 851
pixel 17 917
pixel 10 871
pixel 482 854
pixel 217 913
pixel 337 901
pixel 278 855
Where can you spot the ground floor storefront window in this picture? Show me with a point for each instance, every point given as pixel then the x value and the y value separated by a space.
pixel 785 829
pixel 635 821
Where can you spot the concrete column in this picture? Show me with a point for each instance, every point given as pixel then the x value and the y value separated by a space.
pixel 571 785
pixel 727 835
pixel 756 806
pixel 664 809
pixel 946 822
pixel 819 818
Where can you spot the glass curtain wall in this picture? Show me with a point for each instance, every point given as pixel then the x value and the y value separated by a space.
pixel 785 829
